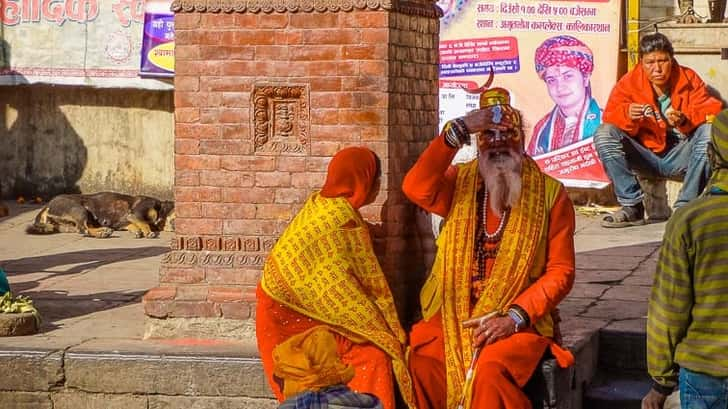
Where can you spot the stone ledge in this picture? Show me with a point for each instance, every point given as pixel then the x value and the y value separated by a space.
pixel 696 38
pixel 72 399
pixel 138 367
pixel 30 370
pixel 25 400
pixel 199 374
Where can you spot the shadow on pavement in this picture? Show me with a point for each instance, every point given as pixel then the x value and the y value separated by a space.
pixel 83 260
pixel 56 305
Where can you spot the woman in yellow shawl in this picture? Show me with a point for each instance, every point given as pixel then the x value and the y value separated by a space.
pixel 323 271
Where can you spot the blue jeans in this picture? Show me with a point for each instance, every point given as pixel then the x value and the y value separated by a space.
pixel 624 158
pixel 699 391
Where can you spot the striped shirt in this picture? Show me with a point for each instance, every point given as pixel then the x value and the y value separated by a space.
pixel 687 323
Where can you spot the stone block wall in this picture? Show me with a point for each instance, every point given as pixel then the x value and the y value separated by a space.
pixel 263 100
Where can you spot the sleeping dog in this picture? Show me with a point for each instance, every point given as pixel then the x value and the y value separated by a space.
pixel 99 214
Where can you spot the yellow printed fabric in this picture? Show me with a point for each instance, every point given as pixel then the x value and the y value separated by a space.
pixel 324 267
pixel 510 272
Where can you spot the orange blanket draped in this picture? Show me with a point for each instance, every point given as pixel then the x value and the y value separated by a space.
pixel 276 323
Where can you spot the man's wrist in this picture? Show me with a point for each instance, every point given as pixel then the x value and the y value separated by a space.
pixel 662 389
pixel 456 133
pixel 519 317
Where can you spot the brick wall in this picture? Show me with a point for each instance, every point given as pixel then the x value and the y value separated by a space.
pixel 364 77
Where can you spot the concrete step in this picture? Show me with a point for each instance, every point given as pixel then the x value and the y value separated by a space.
pixel 113 373
pixel 135 375
pixel 621 389
pixel 621 380
pixel 622 350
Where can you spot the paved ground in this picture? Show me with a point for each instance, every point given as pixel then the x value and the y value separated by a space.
pixel 84 288
pixel 91 289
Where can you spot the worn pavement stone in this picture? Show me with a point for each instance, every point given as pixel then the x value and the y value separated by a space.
pixel 175 402
pixel 638 325
pixel 25 400
pixel 137 366
pixel 586 290
pixel 628 293
pixel 220 328
pixel 586 261
pixel 610 309
pixel 601 276
pixel 636 250
pixel 645 273
pixel 573 306
pixel 29 370
pixel 72 399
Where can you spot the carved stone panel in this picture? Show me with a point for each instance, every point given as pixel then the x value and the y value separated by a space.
pixel 226 243
pixel 280 119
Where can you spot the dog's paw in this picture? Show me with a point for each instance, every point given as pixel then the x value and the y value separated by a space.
pixel 138 234
pixel 105 232
pixel 152 235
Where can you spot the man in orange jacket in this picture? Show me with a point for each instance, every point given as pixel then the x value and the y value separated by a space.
pixel 655 124
pixel 505 259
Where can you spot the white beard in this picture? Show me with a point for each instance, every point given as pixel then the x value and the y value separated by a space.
pixel 502 176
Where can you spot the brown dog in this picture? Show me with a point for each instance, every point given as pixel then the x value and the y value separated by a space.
pixel 99 214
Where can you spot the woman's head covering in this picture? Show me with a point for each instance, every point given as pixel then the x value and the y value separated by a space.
pixel 564 50
pixel 309 362
pixel 351 174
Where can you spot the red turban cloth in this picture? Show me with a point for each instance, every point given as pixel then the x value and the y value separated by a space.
pixel 564 50
pixel 352 173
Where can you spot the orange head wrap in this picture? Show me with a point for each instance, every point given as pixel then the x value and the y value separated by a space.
pixel 498 101
pixel 351 174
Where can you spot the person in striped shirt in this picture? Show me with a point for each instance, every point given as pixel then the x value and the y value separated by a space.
pixel 687 323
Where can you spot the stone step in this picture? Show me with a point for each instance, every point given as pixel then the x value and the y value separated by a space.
pixel 621 389
pixel 135 375
pixel 622 350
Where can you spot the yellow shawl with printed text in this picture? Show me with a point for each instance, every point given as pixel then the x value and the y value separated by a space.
pixel 509 276
pixel 324 267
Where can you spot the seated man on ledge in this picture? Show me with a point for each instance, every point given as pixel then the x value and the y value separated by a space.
pixel 323 271
pixel 505 259
pixel 655 124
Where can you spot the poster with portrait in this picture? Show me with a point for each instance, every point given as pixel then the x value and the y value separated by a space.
pixel 557 59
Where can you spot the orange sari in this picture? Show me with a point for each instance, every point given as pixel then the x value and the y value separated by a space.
pixel 323 271
pixel 276 323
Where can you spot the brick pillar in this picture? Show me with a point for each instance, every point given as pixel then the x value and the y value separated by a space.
pixel 266 92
